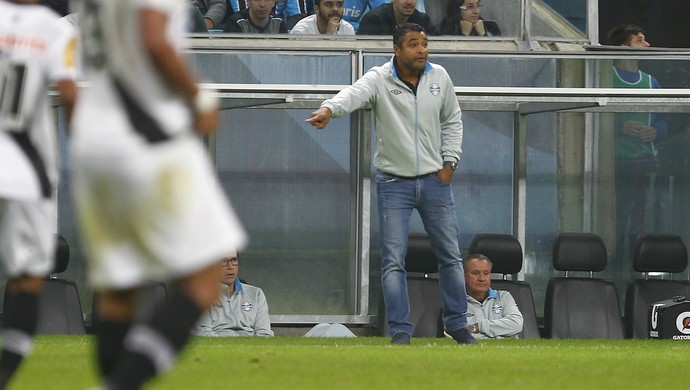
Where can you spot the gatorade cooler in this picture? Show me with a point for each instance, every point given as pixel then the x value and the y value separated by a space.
pixel 670 319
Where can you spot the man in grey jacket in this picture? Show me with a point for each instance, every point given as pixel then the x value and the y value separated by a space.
pixel 491 313
pixel 241 310
pixel 419 135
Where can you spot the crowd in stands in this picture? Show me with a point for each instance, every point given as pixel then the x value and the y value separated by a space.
pixel 339 17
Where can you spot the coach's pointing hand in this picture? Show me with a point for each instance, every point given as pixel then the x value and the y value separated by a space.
pixel 320 117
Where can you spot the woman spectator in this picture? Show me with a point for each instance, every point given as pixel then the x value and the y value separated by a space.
pixel 462 18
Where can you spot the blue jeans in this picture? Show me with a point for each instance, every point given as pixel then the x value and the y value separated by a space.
pixel 396 198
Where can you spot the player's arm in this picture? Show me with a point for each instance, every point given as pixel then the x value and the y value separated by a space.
pixel 173 69
pixel 68 95
pixel 164 55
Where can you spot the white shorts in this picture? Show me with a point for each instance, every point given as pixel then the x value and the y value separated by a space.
pixel 27 236
pixel 151 212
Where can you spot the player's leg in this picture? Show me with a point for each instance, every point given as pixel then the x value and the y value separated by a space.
pixel 19 323
pixel 158 220
pixel 151 348
pixel 116 312
pixel 27 246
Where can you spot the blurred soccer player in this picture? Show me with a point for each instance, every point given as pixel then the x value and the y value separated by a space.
pixel 35 50
pixel 149 206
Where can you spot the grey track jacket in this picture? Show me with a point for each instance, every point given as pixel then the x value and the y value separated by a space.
pixel 414 134
pixel 245 313
pixel 498 316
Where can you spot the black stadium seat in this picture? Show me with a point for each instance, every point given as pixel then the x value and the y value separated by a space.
pixel 59 308
pixel 581 307
pixel 654 253
pixel 423 290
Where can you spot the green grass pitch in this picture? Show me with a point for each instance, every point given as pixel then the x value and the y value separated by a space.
pixel 65 362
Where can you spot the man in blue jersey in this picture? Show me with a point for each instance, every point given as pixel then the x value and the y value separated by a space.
pixel 636 136
pixel 355 10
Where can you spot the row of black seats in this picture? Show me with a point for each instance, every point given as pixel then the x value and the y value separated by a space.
pixel 575 307
pixel 60 310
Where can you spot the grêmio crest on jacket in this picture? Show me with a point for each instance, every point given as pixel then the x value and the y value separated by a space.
pixel 435 89
pixel 246 306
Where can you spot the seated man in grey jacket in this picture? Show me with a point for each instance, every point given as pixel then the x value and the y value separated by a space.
pixel 241 310
pixel 490 313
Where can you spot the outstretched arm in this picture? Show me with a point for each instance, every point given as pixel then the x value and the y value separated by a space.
pixel 68 95
pixel 348 100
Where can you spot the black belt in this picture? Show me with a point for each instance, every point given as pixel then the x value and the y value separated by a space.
pixel 408 177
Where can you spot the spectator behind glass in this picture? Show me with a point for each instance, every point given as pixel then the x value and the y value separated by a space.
pixel 355 10
pixel 197 22
pixel 241 309
pixel 214 11
pixel 328 19
pixel 385 19
pixel 292 11
pixel 636 137
pixel 463 18
pixel 256 20
pixel 491 314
